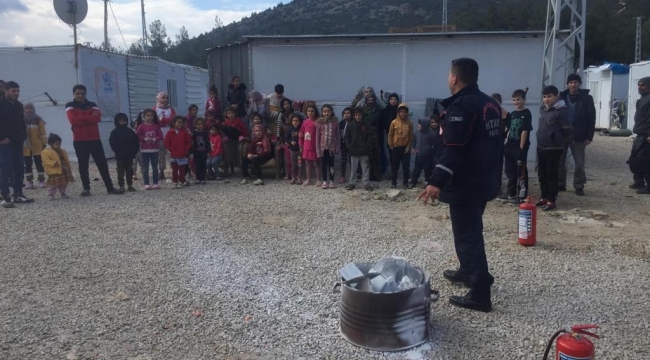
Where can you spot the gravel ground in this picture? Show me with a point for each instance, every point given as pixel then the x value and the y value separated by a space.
pixel 225 271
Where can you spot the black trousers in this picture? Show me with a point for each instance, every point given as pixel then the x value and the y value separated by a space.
pixel 200 163
pixel 327 165
pixel 94 148
pixel 124 167
pixel 29 175
pixel 399 156
pixel 257 165
pixel 640 161
pixel 547 172
pixel 467 226
pixel 422 162
pixel 516 171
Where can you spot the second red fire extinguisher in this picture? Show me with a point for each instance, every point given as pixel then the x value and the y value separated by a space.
pixel 573 344
pixel 528 222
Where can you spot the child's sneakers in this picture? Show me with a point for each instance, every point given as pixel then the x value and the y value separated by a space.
pixel 155 187
pixel 324 185
pixel 29 186
pixel 350 187
pixel 64 196
pixel 197 182
pixel 131 189
pixel 305 183
pixel 342 180
pixel 549 206
pixel 258 182
pixel 176 186
pixel 187 183
pixel 541 202
pixel 244 181
pixel 147 187
pixel 121 189
pixel 332 186
pixel 318 183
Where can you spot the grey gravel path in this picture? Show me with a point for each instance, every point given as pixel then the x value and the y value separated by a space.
pixel 225 271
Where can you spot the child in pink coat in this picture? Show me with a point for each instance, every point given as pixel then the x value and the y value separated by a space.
pixel 307 142
pixel 328 144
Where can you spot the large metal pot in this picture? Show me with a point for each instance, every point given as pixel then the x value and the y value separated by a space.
pixel 386 321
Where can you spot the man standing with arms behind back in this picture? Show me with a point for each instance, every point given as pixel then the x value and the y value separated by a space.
pixel 466 176
pixel 13 134
pixel 84 116
pixel 582 116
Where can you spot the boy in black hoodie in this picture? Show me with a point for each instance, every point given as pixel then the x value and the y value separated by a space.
pixel 125 145
pixel 423 146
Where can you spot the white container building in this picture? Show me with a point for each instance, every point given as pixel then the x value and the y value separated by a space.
pixel 637 71
pixel 606 83
pixel 332 68
pixel 116 82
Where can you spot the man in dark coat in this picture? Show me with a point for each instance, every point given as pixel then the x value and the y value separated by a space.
pixel 582 116
pixel 13 134
pixel 466 176
pixel 640 156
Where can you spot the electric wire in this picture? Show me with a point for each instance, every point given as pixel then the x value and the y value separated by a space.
pixel 118 26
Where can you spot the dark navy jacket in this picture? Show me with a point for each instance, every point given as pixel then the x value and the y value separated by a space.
pixel 468 167
pixel 584 123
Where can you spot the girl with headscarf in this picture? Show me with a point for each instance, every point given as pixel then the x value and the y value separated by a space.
pixel 36 142
pixel 165 113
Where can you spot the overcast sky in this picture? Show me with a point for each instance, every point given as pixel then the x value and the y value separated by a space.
pixel 34 22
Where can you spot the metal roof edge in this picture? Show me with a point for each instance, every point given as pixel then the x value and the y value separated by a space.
pixel 397 35
pixel 227 45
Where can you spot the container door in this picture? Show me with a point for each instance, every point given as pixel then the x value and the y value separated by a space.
pixel 605 100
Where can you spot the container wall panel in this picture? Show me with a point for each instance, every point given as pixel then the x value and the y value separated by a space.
pixel 143 84
pixel 105 76
pixel 227 61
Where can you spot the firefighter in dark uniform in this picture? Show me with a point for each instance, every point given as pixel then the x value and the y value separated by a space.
pixel 466 176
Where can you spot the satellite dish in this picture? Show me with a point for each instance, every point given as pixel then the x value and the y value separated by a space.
pixel 71 12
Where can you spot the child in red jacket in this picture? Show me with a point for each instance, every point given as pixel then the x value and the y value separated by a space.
pixel 178 142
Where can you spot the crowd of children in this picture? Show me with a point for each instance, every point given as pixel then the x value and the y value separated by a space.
pixel 302 138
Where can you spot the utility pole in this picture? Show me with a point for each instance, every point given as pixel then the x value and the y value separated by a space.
pixel 444 15
pixel 145 50
pixel 637 52
pixel 562 44
pixel 106 25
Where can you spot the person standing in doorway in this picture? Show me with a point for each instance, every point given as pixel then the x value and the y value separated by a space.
pixel 466 176
pixel 13 134
pixel 582 117
pixel 84 116
pixel 640 156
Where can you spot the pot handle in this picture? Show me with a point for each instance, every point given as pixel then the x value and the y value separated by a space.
pixel 435 295
pixel 337 288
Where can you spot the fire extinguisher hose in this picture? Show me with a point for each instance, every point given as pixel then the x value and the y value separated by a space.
pixel 550 342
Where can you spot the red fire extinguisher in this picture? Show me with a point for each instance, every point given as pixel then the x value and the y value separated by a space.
pixel 528 222
pixel 573 344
